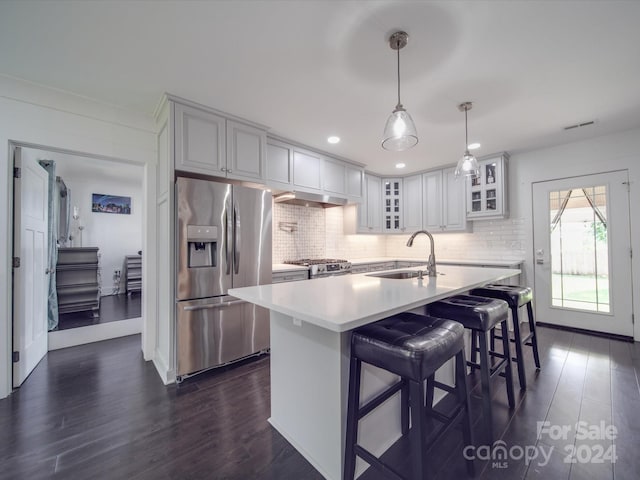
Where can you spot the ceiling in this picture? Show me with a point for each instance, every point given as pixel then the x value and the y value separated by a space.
pixel 310 69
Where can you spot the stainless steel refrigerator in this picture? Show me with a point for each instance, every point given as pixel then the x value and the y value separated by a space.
pixel 223 241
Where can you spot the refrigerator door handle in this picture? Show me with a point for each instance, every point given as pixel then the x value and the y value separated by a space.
pixel 194 308
pixel 227 240
pixel 236 239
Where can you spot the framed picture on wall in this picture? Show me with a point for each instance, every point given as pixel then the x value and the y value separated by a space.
pixel 110 204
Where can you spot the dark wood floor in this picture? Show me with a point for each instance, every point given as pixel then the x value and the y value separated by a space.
pixel 99 411
pixel 112 309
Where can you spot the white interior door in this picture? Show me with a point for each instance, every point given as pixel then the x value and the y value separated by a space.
pixel 30 278
pixel 582 249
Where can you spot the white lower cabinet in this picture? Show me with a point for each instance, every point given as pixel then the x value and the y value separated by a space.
pixel 289 276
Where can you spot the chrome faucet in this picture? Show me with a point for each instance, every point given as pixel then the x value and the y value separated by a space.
pixel 431 263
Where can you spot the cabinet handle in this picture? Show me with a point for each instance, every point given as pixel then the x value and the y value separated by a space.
pixel 228 171
pixel 223 169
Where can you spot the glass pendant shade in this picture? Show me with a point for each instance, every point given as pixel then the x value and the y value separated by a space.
pixel 400 131
pixel 467 166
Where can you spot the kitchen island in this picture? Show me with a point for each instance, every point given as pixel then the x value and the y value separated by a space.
pixel 310 333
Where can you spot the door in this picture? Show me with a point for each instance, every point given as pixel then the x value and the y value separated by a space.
pixel 214 331
pixel 582 250
pixel 251 214
pixel 204 227
pixel 30 279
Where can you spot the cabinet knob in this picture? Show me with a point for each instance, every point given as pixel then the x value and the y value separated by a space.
pixel 223 169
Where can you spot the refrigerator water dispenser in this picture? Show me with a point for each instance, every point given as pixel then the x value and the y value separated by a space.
pixel 203 242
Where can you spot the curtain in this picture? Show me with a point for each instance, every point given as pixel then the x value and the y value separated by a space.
pixel 52 232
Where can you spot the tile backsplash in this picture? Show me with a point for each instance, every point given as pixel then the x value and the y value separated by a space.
pixel 307 232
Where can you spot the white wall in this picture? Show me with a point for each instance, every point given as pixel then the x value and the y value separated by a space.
pixel 601 154
pixel 31 114
pixel 115 235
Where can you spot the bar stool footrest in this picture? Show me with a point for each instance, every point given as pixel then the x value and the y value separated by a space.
pixel 380 399
pixel 376 463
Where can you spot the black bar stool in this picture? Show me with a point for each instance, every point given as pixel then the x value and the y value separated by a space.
pixel 481 315
pixel 413 347
pixel 516 297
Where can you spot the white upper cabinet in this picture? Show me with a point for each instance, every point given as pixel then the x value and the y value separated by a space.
pixel 453 195
pixel 307 168
pixel 412 203
pixel 487 195
pixel 373 205
pixel 211 144
pixel 199 141
pixel 432 199
pixel 295 168
pixel 334 175
pixel 355 181
pixel 279 163
pixel 246 151
pixel 444 202
pixel 392 205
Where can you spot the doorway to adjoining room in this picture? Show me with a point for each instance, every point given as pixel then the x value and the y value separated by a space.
pixel 95 247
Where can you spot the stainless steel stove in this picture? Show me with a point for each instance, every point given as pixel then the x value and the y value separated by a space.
pixel 323 267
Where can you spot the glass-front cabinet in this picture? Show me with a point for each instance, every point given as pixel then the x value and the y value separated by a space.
pixel 487 195
pixel 392 205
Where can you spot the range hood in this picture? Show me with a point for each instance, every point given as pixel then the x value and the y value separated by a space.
pixel 305 199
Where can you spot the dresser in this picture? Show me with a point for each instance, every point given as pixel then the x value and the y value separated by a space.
pixel 133 271
pixel 77 280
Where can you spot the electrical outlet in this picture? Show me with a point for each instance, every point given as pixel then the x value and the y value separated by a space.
pixel 117 273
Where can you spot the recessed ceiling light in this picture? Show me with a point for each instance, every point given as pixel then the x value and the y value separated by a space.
pixel 473 146
pixel 333 139
pixel 400 165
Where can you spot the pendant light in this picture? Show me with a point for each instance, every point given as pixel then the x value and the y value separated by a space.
pixel 468 165
pixel 400 131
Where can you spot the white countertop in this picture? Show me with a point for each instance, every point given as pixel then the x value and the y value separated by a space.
pixel 346 302
pixel 285 267
pixel 510 263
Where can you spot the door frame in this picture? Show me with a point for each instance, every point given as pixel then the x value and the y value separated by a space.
pixel 628 219
pixel 148 245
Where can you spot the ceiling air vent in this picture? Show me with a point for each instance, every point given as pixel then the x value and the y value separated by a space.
pixel 578 125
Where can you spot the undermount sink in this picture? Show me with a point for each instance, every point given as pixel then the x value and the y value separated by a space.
pixel 399 275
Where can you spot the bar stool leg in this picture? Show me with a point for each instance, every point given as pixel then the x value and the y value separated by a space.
pixel 404 407
pixel 485 380
pixel 519 358
pixel 508 374
pixel 353 405
pixel 474 347
pixel 430 391
pixel 463 398
pixel 416 434
pixel 534 336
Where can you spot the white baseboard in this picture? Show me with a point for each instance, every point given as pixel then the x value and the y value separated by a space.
pixel 167 375
pixel 94 333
